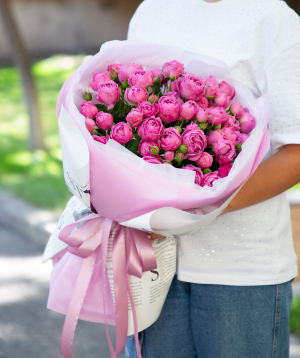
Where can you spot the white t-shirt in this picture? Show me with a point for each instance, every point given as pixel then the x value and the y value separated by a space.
pixel 260 41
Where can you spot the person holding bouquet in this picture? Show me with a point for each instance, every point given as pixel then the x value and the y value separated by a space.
pixel 232 293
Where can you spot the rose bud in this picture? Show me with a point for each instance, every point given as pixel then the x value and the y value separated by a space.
pixel 151 129
pixel 225 151
pixel 178 128
pixel 90 124
pixel 108 93
pixel 237 110
pixel 174 86
pixel 216 115
pixel 231 122
pixel 179 157
pixel 205 161
pixel 192 127
pixel 244 137
pixel 99 139
pixel 224 170
pixel 189 110
pixel 141 79
pixel 198 173
pixel 203 103
pixel 168 109
pixel 196 142
pixel 114 70
pixel 211 87
pixel 87 109
pixel 222 100
pixel 238 147
pixel 203 125
pixel 153 99
pixel 136 94
pixel 247 122
pixel 214 136
pixel 158 75
pixel 202 115
pixel 104 120
pixel 145 148
pixel 121 133
pixel 191 87
pixel 135 117
pixel 227 89
pixel 183 149
pixel 209 178
pixel 148 109
pixel 127 70
pixel 170 139
pixel 153 160
pixel 99 77
pixel 172 69
pixel 233 136
pixel 87 96
pixel 169 156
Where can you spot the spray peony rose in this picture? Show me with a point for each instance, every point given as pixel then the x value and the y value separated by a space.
pixel 174 86
pixel 216 115
pixel 191 87
pixel 170 139
pixel 227 89
pixel 198 173
pixel 175 95
pixel 203 103
pixel 127 70
pixel 209 178
pixel 172 69
pixel 222 100
pixel 157 74
pixel 192 127
pixel 168 109
pixel 135 117
pixel 231 122
pixel 90 124
pixel 121 133
pixel 247 122
pixel 224 170
pixel 214 136
pixel 196 142
pixel 189 110
pixel 104 120
pixel 211 87
pixel 205 161
pixel 225 151
pixel 153 160
pixel 148 109
pixel 99 77
pixel 108 93
pixel 202 115
pixel 87 109
pixel 151 129
pixel 169 156
pixel 244 137
pixel 237 110
pixel 141 79
pixel 233 136
pixel 145 148
pixel 136 94
pixel 99 139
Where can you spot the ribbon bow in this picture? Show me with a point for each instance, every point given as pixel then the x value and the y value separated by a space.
pixel 133 254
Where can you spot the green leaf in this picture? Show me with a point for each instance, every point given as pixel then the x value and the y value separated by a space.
pixel 133 145
pixel 101 107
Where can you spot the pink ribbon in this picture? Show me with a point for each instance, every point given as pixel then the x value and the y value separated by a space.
pixel 133 254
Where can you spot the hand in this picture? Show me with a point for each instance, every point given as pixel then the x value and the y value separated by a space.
pixel 152 236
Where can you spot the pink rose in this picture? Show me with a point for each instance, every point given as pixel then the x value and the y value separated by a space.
pixel 168 109
pixel 225 151
pixel 191 87
pixel 216 115
pixel 104 120
pixel 214 136
pixel 196 142
pixel 231 122
pixel 145 147
pixel 169 156
pixel 192 127
pixel 121 133
pixel 141 79
pixel 90 124
pixel 205 161
pixel 211 87
pixel 202 115
pixel 199 174
pixel 244 137
pixel 237 109
pixel 172 69
pixel 233 136
pixel 174 86
pixel 114 69
pixel 175 95
pixel 136 94
pixel 203 103
pixel 108 93
pixel 157 73
pixel 247 122
pixel 127 70
pixel 148 109
pixel 209 178
pixel 151 129
pixel 170 139
pixel 153 160
pixel 222 99
pixel 227 89
pixel 224 170
pixel 99 139
pixel 189 110
pixel 135 117
pixel 153 98
pixel 87 109
pixel 99 77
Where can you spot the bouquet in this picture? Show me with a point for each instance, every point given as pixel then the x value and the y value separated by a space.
pixel 147 104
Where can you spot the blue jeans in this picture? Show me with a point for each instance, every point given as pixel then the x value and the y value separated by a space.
pixel 219 321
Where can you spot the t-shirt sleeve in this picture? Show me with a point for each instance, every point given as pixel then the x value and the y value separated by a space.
pixel 283 89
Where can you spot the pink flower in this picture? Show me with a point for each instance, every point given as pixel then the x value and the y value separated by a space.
pixel 135 117
pixel 203 103
pixel 224 170
pixel 237 109
pixel 216 115
pixel 104 120
pixel 99 77
pixel 170 139
pixel 244 137
pixel 114 69
pixel 192 127
pixel 168 109
pixel 172 69
pixel 108 93
pixel 121 133
pixel 247 122
pixel 169 156
pixel 141 79
pixel 136 94
pixel 153 98
pixel 196 142
pixel 102 140
pixel 151 129
pixel 199 174
pixel 191 87
pixel 231 122
pixel 90 124
pixel 211 87
pixel 205 161
pixel 222 99
pixel 209 178
pixel 157 73
pixel 214 136
pixel 148 109
pixel 225 151
pixel 174 86
pixel 127 70
pixel 175 95
pixel 227 89
pixel 189 110
pixel 202 115
pixel 87 109
pixel 233 136
pixel 153 160
pixel 145 147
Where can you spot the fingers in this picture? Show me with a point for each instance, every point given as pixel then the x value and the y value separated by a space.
pixel 155 236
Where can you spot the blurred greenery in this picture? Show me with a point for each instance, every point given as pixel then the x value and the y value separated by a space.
pixel 295 316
